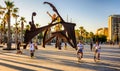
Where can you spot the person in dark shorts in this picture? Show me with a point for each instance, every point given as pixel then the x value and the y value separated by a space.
pixel 80 50
pixel 18 47
pixel 32 49
pixel 91 45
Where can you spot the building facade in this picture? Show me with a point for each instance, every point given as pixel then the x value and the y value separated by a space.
pixel 114 28
pixel 102 31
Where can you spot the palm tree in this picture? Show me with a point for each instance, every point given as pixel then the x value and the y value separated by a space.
pixel 27 27
pixel 2 12
pixel 77 34
pixel 10 9
pixel 22 19
pixel 1 28
pixel 16 24
pixel 16 32
pixel 37 25
pixel 81 32
pixel 3 22
pixel 85 35
pixel 3 17
pixel 91 34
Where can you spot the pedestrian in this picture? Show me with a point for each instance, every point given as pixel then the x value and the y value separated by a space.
pixel 32 49
pixel 60 45
pixel 91 45
pixel 97 49
pixel 80 47
pixel 65 46
pixel 18 47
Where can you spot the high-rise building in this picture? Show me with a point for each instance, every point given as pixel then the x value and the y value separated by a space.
pixel 114 28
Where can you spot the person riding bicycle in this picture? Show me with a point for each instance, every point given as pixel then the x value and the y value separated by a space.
pixel 97 48
pixel 80 50
pixel 32 49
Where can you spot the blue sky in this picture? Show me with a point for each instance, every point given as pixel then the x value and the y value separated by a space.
pixel 91 14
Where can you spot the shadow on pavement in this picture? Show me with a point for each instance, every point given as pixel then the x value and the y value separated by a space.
pixel 24 69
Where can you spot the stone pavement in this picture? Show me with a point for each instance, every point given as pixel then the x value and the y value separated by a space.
pixel 52 59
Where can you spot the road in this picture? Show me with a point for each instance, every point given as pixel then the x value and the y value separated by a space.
pixel 52 59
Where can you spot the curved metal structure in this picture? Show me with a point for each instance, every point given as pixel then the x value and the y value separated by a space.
pixel 68 33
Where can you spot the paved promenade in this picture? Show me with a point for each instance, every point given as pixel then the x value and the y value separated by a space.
pixel 52 59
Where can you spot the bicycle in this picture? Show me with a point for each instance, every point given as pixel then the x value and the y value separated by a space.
pixel 79 56
pixel 97 56
pixel 80 51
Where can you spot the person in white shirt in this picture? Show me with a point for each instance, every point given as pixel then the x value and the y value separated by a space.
pixel 80 50
pixel 97 48
pixel 32 49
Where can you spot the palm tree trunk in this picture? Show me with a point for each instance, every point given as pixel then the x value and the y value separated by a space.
pixel 22 27
pixel 4 33
pixel 0 37
pixel 9 32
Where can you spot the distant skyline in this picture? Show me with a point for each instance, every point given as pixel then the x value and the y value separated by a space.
pixel 91 14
